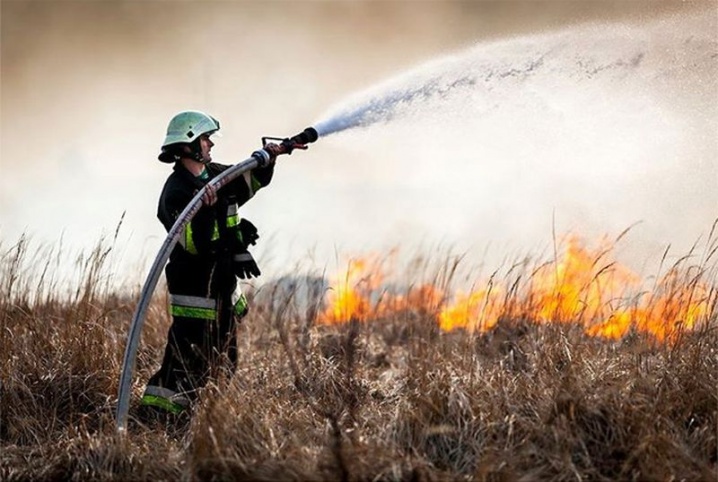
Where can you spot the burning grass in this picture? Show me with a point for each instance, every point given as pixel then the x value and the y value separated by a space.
pixel 523 377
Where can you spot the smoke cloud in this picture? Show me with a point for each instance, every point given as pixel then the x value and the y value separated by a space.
pixel 88 87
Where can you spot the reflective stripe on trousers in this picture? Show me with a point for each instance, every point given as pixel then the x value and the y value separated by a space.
pixel 205 308
pixel 193 307
pixel 165 398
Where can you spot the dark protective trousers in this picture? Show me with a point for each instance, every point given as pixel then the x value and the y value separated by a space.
pixel 197 349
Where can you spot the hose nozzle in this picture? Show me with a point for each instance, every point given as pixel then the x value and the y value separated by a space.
pixel 307 136
pixel 300 141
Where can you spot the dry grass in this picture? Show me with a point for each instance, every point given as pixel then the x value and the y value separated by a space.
pixel 389 399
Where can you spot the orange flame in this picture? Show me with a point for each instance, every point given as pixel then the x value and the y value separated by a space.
pixel 356 295
pixel 350 296
pixel 577 287
pixel 582 287
pixel 479 310
pixel 676 305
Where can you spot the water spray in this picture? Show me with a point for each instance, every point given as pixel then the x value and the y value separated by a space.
pixel 258 158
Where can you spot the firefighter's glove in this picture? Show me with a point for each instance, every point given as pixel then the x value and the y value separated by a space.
pixel 248 232
pixel 245 267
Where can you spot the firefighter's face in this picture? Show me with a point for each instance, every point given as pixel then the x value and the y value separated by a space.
pixel 205 144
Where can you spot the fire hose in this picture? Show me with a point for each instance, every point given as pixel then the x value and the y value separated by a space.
pixel 259 158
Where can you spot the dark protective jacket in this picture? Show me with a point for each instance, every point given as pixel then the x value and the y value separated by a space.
pixel 201 263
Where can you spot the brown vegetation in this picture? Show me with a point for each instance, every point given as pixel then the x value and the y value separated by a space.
pixel 383 399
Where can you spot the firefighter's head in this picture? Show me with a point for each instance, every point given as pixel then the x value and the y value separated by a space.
pixel 188 136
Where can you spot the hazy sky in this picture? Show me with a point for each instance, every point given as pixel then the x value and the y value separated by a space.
pixel 89 86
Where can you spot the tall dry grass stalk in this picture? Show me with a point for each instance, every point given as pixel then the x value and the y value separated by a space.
pixel 388 398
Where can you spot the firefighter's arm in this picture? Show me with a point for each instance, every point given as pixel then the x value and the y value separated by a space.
pixel 247 185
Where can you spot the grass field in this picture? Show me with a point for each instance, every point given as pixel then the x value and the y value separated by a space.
pixel 539 373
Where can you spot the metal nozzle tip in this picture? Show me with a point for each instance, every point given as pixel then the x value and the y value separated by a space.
pixel 311 134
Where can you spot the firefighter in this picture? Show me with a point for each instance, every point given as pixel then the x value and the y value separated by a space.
pixel 202 272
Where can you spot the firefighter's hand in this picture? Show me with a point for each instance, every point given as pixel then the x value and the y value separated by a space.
pixel 209 198
pixel 273 150
pixel 248 231
pixel 245 267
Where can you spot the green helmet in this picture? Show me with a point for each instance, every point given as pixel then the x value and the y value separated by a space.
pixel 187 126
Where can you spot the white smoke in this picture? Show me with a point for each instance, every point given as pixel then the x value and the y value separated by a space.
pixel 597 127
